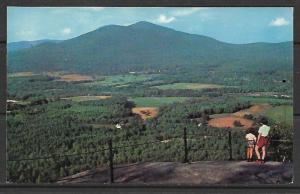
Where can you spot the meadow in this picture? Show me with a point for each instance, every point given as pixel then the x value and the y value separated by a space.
pixel 281 115
pixel 191 86
pixel 156 101
pixel 270 100
pixel 86 98
pixel 121 80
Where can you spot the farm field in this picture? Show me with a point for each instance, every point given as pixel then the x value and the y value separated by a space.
pixel 86 98
pixel 156 101
pixel 119 80
pixel 258 109
pixel 145 112
pixel 281 115
pixel 191 86
pixel 228 122
pixel 278 114
pixel 74 78
pixel 263 100
pixel 22 74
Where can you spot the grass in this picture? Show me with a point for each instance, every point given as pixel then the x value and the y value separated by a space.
pixel 86 98
pixel 281 115
pixel 22 74
pixel 116 80
pixel 191 86
pixel 263 100
pixel 156 101
pixel 74 77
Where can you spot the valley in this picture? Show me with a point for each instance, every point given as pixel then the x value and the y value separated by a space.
pixel 68 100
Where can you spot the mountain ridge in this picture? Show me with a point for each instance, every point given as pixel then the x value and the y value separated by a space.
pixel 143 46
pixel 19 45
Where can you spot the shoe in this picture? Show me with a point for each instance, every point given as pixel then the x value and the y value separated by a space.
pixel 258 161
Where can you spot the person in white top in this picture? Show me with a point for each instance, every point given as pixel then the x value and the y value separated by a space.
pixel 262 141
pixel 251 139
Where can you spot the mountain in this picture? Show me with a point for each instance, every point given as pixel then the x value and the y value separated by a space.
pixel 144 46
pixel 15 46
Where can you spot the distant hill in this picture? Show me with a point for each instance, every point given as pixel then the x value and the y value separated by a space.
pixel 145 46
pixel 16 46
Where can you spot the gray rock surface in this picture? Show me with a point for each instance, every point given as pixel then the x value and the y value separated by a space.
pixel 196 173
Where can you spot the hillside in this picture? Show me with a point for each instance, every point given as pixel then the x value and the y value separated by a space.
pixel 144 46
pixel 16 46
pixel 204 172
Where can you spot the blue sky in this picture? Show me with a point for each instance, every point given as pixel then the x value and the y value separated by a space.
pixel 234 25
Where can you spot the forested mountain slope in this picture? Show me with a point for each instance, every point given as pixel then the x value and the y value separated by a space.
pixel 145 46
pixel 16 46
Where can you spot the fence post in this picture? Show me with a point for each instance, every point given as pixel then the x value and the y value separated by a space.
pixel 230 144
pixel 111 161
pixel 185 146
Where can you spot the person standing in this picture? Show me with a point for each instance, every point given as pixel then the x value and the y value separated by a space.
pixel 251 139
pixel 262 141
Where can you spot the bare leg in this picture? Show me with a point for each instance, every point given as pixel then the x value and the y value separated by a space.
pixel 251 153
pixel 247 153
pixel 263 152
pixel 257 153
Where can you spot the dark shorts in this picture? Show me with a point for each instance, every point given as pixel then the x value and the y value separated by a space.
pixel 262 142
pixel 251 144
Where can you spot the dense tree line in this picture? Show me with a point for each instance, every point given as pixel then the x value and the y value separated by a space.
pixel 64 127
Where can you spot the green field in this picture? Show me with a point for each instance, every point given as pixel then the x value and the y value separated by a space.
pixel 262 100
pixel 191 86
pixel 119 80
pixel 86 98
pixel 281 115
pixel 156 101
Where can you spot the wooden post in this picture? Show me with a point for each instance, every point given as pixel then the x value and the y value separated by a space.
pixel 230 144
pixel 185 146
pixel 111 161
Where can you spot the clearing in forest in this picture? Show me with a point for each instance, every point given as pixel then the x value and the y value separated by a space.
pixel 254 110
pixel 22 74
pixel 86 98
pixel 146 112
pixel 74 77
pixel 156 101
pixel 121 80
pixel 228 122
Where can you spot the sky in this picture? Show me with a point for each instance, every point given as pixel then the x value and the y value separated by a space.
pixel 232 25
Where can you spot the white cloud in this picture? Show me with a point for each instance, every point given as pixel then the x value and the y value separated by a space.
pixel 279 22
pixel 164 19
pixel 66 31
pixel 186 11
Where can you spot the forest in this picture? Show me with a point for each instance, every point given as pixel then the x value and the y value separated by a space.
pixel 52 134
